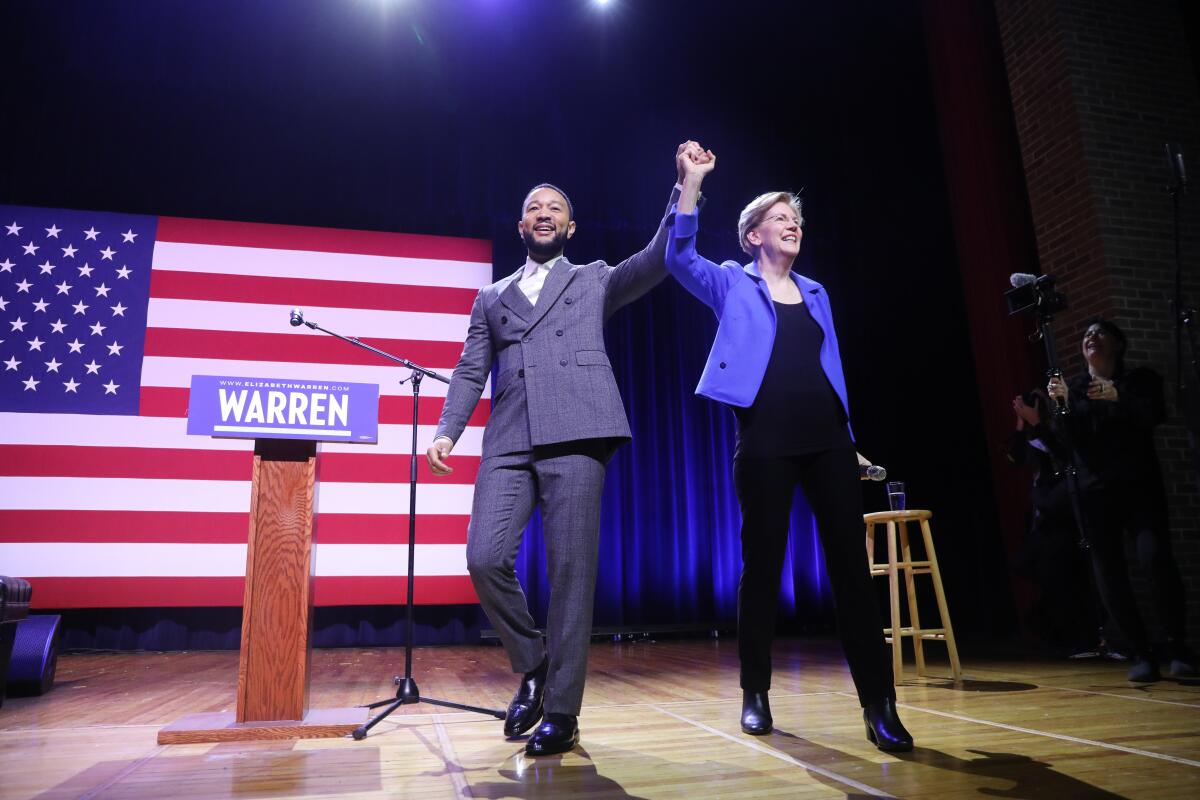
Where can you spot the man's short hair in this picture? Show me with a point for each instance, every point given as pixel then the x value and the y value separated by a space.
pixel 754 213
pixel 570 207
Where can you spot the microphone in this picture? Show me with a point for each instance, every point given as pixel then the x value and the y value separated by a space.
pixel 872 472
pixel 1018 279
pixel 1181 169
pixel 297 318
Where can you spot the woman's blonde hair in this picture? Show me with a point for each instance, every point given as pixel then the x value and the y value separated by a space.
pixel 752 215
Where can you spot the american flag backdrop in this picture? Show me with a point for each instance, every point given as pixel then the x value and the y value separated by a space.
pixel 104 499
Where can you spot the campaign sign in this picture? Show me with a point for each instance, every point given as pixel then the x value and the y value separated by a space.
pixel 281 408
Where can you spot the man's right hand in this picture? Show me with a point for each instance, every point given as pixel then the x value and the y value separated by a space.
pixel 437 453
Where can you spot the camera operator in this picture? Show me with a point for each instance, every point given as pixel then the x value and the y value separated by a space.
pixel 1065 612
pixel 1112 415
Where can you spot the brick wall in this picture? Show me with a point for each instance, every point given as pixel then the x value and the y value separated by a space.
pixel 1097 87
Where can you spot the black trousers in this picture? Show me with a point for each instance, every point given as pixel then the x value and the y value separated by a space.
pixel 1112 515
pixel 829 480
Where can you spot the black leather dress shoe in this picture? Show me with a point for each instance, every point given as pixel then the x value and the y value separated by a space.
pixel 526 707
pixel 558 733
pixel 756 713
pixel 884 729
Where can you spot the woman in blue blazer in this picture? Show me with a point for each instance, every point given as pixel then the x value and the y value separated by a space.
pixel 775 361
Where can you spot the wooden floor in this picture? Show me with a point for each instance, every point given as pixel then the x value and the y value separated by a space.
pixel 660 720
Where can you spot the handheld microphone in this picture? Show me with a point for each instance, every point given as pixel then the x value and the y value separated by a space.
pixel 1019 279
pixel 872 472
pixel 297 318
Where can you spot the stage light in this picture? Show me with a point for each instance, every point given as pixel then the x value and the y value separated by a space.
pixel 601 3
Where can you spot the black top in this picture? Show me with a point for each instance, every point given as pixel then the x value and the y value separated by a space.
pixel 1114 441
pixel 796 410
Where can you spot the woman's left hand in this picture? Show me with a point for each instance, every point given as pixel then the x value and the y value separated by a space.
pixel 1102 389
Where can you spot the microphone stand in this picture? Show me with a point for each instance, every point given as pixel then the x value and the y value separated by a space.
pixel 1063 434
pixel 407 692
pixel 1188 401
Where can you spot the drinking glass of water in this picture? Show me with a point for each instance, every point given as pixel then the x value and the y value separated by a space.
pixel 895 490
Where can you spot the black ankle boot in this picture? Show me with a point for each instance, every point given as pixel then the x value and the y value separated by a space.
pixel 756 713
pixel 884 729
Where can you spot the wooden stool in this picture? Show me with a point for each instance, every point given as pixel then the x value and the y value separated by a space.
pixel 896 633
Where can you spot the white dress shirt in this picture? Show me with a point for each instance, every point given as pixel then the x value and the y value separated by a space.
pixel 533 277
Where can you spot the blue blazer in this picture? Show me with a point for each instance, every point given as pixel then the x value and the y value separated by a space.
pixel 746 329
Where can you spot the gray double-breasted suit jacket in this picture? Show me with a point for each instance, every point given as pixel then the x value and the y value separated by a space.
pixel 554 382
pixel 556 413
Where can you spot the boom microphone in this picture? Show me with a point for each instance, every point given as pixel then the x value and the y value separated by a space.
pixel 1018 279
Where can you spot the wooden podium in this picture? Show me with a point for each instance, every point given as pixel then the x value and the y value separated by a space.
pixel 273 671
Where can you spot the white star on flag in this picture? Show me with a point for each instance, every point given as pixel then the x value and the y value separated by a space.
pixel 101 290
pixel 53 230
pixel 18 324
pixel 85 271
pixel 53 364
pixel 23 286
pixel 6 265
pixel 110 387
pixel 80 308
pixel 118 310
pixel 69 251
pixel 98 329
pixel 76 346
pixel 58 326
pixel 107 253
pixel 3 304
pixel 11 364
pixel 31 384
pixel 71 385
pixel 64 288
pixel 13 229
pixel 123 272
pixel 40 305
pixel 91 234
pixel 129 236
pixel 30 249
pixel 46 267
pixel 115 349
pixel 92 367
pixel 36 344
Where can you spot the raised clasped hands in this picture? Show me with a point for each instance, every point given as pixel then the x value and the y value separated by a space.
pixel 692 160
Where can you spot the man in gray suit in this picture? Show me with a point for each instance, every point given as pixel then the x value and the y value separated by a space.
pixel 556 419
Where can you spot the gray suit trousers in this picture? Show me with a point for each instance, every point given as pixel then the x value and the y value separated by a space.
pixel 567 481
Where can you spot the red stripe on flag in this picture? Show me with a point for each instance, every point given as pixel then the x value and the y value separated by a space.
pixel 110 592
pixel 123 462
pixel 181 342
pixel 172 401
pixel 308 292
pixel 209 527
pixel 327 240
pixel 181 527
pixel 391 528
pixel 391 468
pixel 38 461
pixel 430 590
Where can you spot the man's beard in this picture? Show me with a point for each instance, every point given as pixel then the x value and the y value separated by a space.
pixel 538 250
